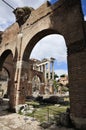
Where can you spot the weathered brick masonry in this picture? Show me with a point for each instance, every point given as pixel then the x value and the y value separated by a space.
pixel 65 18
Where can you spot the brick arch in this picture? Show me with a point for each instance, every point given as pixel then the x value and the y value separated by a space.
pixel 64 17
pixel 42 87
pixel 33 41
pixel 30 45
pixel 39 74
pixel 33 79
pixel 7 85
pixel 4 55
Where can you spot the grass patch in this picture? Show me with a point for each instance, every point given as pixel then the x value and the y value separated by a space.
pixel 34 104
pixel 44 112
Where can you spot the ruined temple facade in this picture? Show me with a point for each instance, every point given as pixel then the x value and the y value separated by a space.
pixel 16 43
pixel 44 67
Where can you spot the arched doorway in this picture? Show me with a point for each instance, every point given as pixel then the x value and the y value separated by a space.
pixel 50 55
pixel 31 44
pixel 35 85
pixel 7 73
pixel 4 79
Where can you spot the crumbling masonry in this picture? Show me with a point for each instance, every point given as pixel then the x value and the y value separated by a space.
pixel 16 43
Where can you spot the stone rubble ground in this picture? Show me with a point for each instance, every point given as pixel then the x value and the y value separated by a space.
pixel 14 121
pixel 17 122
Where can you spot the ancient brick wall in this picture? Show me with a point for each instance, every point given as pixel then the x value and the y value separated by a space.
pixel 65 18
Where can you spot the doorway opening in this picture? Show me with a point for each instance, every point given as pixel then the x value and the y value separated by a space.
pixel 50 55
pixel 6 74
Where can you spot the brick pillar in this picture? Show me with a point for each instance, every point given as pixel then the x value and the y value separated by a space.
pixel 42 87
pixel 21 79
pixel 11 94
pixel 77 84
pixel 29 89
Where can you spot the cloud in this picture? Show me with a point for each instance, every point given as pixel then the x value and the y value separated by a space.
pixel 30 3
pixel 61 71
pixel 7 16
pixel 5 23
pixel 85 17
pixel 51 46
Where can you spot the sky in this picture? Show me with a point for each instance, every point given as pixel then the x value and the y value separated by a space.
pixel 46 50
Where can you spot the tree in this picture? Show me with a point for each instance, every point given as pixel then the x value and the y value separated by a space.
pixel 55 76
pixel 56 85
pixel 63 75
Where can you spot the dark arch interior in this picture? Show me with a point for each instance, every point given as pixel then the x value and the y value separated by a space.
pixel 4 56
pixel 6 64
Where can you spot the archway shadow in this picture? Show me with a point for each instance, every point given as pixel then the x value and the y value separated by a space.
pixel 4 107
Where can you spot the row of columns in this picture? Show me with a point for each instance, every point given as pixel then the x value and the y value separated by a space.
pixel 47 67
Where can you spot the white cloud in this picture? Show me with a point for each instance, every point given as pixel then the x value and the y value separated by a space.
pixel 61 71
pixel 30 3
pixel 6 13
pixel 85 17
pixel 51 46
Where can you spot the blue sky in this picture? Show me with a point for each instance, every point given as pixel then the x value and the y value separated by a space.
pixel 59 52
pixel 82 1
pixel 84 6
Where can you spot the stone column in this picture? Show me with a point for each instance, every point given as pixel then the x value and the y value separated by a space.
pixel 52 70
pixel 41 68
pixel 44 71
pixel 49 70
pixel 38 68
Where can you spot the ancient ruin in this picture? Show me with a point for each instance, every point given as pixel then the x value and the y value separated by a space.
pixel 16 43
